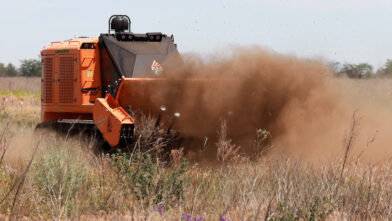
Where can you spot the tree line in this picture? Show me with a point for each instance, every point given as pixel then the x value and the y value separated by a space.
pixel 28 68
pixel 32 68
pixel 361 70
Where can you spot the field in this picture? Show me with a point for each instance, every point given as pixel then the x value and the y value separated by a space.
pixel 44 175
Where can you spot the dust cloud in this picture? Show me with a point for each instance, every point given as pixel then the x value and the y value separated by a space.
pixel 20 148
pixel 307 110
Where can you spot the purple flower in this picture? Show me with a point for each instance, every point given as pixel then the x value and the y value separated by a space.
pixel 159 209
pixel 223 219
pixel 187 217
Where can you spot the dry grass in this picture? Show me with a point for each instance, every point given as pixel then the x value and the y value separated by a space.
pixel 67 179
pixel 20 100
pixel 32 84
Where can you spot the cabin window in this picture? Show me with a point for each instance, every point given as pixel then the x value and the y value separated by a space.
pixel 88 46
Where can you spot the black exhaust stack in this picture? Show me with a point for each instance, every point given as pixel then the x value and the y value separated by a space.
pixel 119 23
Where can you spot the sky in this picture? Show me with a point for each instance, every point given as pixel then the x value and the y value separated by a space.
pixel 351 31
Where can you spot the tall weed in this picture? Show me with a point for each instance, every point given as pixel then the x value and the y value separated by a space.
pixel 58 178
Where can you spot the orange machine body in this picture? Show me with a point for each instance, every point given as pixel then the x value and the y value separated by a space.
pixel 71 79
pixel 71 89
pixel 83 78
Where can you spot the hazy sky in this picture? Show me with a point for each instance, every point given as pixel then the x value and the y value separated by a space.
pixel 341 30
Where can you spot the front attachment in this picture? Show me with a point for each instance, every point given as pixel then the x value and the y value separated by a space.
pixel 115 124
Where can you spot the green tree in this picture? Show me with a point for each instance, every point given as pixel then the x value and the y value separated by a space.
pixel 388 66
pixel 386 70
pixel 335 66
pixel 10 70
pixel 350 70
pixel 365 69
pixel 362 70
pixel 30 67
pixel 2 70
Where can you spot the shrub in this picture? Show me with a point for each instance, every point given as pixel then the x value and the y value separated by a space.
pixel 148 180
pixel 316 209
pixel 59 177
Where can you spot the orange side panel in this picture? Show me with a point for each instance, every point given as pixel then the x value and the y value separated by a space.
pixel 90 75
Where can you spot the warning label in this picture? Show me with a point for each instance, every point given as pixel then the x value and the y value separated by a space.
pixel 156 67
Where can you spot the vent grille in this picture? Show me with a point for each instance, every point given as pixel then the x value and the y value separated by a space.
pixel 66 80
pixel 47 80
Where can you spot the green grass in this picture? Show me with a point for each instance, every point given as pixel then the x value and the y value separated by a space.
pixel 20 93
pixel 25 119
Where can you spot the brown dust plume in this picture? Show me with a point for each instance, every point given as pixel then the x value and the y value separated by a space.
pixel 307 110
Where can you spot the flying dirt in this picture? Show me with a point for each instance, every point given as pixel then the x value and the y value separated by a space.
pixel 308 111
pixel 255 88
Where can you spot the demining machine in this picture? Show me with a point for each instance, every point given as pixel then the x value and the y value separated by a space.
pixel 97 82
